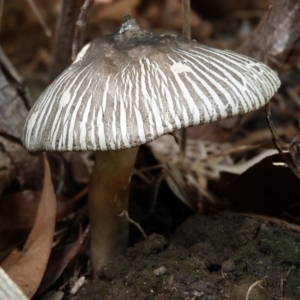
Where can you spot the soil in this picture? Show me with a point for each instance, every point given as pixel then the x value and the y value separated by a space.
pixel 209 257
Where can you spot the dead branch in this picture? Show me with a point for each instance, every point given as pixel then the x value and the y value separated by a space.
pixel 79 25
pixel 62 49
pixel 273 220
pixel 186 33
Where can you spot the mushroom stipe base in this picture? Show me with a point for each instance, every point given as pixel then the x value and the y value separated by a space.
pixel 108 198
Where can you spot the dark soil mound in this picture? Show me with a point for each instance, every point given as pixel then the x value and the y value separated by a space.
pixel 218 257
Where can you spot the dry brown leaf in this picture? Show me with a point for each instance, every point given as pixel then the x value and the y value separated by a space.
pixel 14 224
pixel 12 259
pixel 28 271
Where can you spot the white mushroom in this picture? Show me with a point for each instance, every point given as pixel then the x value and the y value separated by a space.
pixel 130 88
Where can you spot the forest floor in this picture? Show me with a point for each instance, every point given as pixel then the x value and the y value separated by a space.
pixel 225 256
pixel 197 248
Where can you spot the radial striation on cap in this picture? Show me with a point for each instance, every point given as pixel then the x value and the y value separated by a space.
pixel 130 88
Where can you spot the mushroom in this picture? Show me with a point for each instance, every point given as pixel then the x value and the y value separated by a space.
pixel 127 89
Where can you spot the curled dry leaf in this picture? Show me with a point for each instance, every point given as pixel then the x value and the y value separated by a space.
pixel 27 267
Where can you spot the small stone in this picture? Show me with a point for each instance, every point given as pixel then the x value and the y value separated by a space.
pixel 77 285
pixel 264 226
pixel 197 294
pixel 160 271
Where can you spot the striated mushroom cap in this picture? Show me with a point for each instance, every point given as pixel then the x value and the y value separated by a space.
pixel 127 89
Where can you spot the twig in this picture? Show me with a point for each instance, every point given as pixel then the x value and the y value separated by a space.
pixel 289 162
pixel 125 213
pixel 142 176
pixel 186 33
pixel 268 105
pixel 275 138
pixel 62 51
pixel 274 221
pixel 186 26
pixel 78 196
pixel 79 24
pixel 40 18
pixel 282 279
pixel 252 286
pixel 1 11
pixel 165 167
pixel 266 32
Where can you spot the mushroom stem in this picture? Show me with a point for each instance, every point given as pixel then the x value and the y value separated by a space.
pixel 108 197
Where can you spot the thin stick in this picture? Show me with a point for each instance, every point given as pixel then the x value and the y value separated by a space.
pixel 168 171
pixel 268 105
pixel 186 25
pixel 82 193
pixel 40 18
pixel 64 36
pixel 1 11
pixel 80 23
pixel 125 213
pixel 273 220
pixel 252 286
pixel 266 32
pixel 275 138
pixel 186 33
pixel 284 279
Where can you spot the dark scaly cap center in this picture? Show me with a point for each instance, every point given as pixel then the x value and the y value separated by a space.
pixel 129 23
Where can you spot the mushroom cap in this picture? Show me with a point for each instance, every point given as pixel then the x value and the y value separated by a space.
pixel 130 88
